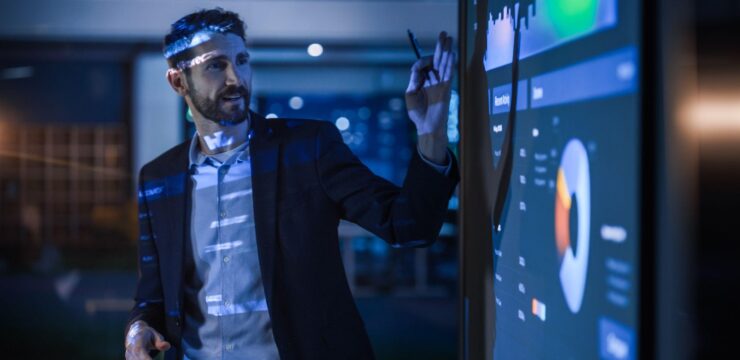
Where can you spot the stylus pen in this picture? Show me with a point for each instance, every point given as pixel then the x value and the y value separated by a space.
pixel 417 51
pixel 414 44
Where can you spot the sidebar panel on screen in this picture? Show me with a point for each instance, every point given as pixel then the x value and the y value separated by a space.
pixel 566 239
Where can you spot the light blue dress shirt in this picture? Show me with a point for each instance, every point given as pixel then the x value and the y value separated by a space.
pixel 230 320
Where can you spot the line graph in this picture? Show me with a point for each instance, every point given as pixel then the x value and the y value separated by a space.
pixel 547 24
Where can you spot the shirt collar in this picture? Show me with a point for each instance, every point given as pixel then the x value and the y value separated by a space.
pixel 197 157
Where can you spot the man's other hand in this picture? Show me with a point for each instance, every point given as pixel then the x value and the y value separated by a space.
pixel 141 339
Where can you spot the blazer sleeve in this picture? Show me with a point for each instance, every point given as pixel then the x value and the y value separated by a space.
pixel 411 215
pixel 148 299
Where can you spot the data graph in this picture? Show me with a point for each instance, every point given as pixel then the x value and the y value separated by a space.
pixel 573 185
pixel 546 24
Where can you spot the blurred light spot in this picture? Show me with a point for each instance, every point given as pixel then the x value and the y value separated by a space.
pixel 342 123
pixel 315 49
pixel 535 132
pixel 626 71
pixel 385 121
pixel 19 72
pixel 717 114
pixel 378 247
pixel 357 138
pixel 395 104
pixel 66 284
pixel 271 116
pixel 93 306
pixel 364 113
pixel 296 102
pixel 347 137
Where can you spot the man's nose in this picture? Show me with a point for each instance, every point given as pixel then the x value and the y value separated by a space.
pixel 232 77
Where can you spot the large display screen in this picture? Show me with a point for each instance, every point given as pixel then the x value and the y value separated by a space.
pixel 565 223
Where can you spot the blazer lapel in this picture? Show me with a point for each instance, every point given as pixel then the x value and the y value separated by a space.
pixel 264 154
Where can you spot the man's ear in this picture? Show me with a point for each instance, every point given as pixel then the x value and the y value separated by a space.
pixel 176 78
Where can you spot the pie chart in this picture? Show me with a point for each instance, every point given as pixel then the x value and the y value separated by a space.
pixel 573 194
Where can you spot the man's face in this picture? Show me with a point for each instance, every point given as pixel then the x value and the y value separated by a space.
pixel 220 79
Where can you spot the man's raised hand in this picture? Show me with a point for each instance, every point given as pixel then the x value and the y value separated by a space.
pixel 428 98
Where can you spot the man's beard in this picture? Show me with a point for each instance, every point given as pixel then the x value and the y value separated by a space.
pixel 212 110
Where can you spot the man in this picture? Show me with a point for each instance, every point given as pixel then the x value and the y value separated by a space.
pixel 238 254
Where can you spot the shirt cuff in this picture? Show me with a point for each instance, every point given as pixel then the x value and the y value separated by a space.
pixel 442 169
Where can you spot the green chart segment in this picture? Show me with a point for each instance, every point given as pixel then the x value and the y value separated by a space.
pixel 549 23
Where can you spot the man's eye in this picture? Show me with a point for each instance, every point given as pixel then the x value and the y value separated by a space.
pixel 242 60
pixel 215 66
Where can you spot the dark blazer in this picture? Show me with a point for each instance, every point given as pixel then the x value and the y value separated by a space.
pixel 305 179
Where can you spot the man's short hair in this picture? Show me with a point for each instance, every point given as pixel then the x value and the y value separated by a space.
pixel 183 32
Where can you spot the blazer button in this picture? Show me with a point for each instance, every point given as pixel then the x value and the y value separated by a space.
pixel 177 323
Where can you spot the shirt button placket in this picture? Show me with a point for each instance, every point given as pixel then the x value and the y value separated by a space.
pixel 222 214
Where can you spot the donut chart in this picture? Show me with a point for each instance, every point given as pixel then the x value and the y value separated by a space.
pixel 573 189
